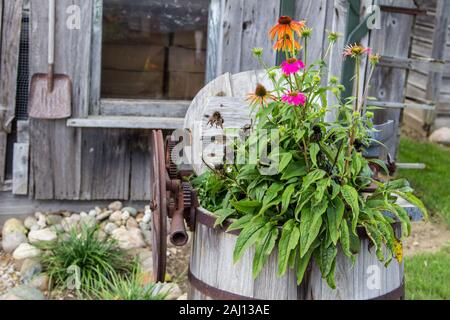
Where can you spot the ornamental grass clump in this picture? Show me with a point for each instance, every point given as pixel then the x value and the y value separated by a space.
pixel 77 260
pixel 317 200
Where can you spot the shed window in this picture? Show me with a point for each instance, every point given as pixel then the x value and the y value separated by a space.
pixel 153 49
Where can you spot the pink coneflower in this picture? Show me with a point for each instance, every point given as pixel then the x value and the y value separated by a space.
pixel 294 98
pixel 291 66
pixel 356 50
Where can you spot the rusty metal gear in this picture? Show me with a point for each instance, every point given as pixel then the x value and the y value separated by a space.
pixel 172 168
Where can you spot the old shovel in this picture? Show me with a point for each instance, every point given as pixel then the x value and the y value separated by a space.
pixel 50 94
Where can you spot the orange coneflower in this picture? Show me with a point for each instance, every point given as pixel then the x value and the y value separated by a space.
pixel 261 96
pixel 286 44
pixel 286 27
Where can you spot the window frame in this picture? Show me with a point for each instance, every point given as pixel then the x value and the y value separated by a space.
pixel 108 107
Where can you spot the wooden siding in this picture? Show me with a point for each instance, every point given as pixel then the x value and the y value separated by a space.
pixel 10 24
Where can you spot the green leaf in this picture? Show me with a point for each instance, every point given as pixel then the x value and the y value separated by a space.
pixel 376 239
pixel 336 189
pixel 327 257
pixel 222 215
pixel 290 236
pixel 345 240
pixel 351 197
pixel 330 277
pixel 285 160
pixel 246 206
pixel 381 164
pixel 414 201
pixel 295 169
pixel 313 151
pixel 312 177
pixel 309 230
pixel 264 248
pixel 240 223
pixel 302 266
pixel 335 214
pixel 247 237
pixel 286 197
pixel 404 220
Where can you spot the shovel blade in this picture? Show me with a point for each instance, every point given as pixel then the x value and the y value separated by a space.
pixel 56 104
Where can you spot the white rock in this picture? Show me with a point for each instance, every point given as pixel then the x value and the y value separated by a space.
pixel 83 214
pixel 441 136
pixel 30 222
pixel 133 212
pixel 13 225
pixel 131 223
pixel 109 228
pixel 44 235
pixel 92 213
pixel 23 293
pixel 38 214
pixel 115 216
pixel 125 215
pixel 40 282
pixel 98 210
pixel 128 239
pixel 42 222
pixel 115 206
pixel 103 215
pixel 11 241
pixel 26 251
pixel 147 217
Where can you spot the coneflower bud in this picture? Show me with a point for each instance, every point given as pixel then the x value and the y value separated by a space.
pixel 258 52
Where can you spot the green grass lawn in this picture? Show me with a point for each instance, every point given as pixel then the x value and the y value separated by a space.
pixel 427 276
pixel 432 185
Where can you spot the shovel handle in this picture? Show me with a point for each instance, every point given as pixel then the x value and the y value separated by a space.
pixel 51 31
pixel 51 43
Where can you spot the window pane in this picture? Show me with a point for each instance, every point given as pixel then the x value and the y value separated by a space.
pixel 154 49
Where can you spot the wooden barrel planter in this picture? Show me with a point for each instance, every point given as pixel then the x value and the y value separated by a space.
pixel 212 273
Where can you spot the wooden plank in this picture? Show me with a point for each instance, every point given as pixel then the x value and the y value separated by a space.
pixel 15 206
pixel 10 25
pixel 424 64
pixel 213 55
pixel 12 22
pixel 144 108
pixel 96 57
pixel 55 148
pixel 141 157
pixel 315 14
pixel 21 159
pixel 244 25
pixel 339 19
pixel 106 165
pixel 257 19
pixel 401 105
pixel 388 84
pixel 126 122
pixel 20 168
pixel 438 52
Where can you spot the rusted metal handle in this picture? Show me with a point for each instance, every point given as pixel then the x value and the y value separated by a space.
pixel 178 235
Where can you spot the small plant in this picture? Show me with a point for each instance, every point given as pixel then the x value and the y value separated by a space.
pixel 317 200
pixel 126 287
pixel 78 259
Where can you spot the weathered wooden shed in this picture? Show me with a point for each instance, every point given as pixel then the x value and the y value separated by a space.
pixel 136 65
pixel 430 39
